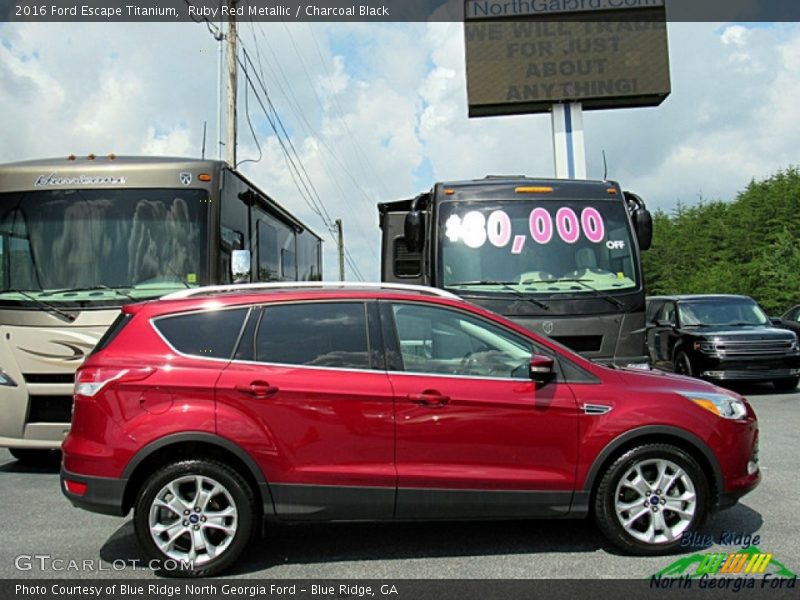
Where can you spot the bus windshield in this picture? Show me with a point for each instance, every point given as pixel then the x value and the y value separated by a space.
pixel 97 245
pixel 541 247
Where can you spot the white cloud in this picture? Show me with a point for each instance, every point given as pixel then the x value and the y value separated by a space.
pixel 736 35
pixel 377 112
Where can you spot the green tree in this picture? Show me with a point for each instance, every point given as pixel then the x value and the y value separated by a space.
pixel 746 246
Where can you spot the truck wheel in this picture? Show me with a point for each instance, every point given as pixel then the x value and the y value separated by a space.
pixel 786 385
pixel 194 518
pixel 649 497
pixel 682 365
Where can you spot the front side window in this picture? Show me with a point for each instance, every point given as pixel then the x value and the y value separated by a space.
pixel 793 314
pixel 668 313
pixel 548 246
pixel 441 341
pixel 319 334
pixel 81 245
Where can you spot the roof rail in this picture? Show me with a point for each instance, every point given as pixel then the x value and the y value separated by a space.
pixel 277 285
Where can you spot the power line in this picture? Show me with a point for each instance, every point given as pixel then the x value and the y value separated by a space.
pixel 299 174
pixel 338 107
pixel 287 137
pixel 311 196
pixel 296 108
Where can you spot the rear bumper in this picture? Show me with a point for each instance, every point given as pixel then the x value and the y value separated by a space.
pixel 103 495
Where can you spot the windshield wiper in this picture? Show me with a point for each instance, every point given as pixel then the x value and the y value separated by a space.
pixel 91 288
pixel 506 285
pixel 596 292
pixel 48 307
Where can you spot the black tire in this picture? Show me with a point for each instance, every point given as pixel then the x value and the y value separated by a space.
pixel 786 385
pixel 682 365
pixel 610 493
pixel 212 472
pixel 36 457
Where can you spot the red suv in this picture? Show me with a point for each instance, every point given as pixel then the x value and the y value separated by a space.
pixel 215 411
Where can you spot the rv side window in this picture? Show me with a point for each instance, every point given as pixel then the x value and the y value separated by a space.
pixel 406 263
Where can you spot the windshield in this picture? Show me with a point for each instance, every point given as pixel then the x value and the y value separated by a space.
pixel 734 311
pixel 542 246
pixel 100 245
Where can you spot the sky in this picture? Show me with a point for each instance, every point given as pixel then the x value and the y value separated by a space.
pixel 378 112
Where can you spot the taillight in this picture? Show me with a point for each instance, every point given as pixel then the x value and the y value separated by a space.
pixel 75 487
pixel 90 380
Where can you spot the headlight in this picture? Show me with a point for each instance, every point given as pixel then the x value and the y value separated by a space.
pixel 721 405
pixel 5 379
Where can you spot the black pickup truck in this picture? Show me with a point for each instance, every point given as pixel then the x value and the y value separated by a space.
pixel 721 338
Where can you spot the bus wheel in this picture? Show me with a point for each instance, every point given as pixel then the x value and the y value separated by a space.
pixel 36 457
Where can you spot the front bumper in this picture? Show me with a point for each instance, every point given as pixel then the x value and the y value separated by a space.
pixel 729 499
pixel 103 495
pixel 723 373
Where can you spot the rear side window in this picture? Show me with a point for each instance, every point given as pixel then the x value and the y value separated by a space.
pixel 112 332
pixel 211 333
pixel 324 334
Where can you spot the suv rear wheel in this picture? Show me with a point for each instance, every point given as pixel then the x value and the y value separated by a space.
pixel 194 517
pixel 649 497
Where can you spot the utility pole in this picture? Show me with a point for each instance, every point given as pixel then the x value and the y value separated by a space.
pixel 340 243
pixel 231 143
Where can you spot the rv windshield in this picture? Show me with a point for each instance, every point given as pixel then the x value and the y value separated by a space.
pixel 544 247
pixel 100 245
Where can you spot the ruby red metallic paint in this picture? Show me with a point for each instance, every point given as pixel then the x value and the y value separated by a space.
pixel 379 442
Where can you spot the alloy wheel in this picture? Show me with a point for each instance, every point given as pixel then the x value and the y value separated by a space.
pixel 193 518
pixel 655 501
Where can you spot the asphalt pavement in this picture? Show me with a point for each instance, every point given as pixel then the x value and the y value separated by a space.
pixel 45 537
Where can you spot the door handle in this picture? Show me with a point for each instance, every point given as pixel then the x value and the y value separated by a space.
pixel 258 389
pixel 430 398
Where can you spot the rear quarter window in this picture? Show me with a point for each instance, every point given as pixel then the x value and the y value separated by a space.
pixel 212 334
pixel 112 332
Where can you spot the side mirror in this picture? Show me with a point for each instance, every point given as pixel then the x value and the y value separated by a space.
pixel 414 231
pixel 542 369
pixel 776 321
pixel 240 266
pixel 643 221
pixel 664 323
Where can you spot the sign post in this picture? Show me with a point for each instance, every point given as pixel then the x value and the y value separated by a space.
pixel 569 150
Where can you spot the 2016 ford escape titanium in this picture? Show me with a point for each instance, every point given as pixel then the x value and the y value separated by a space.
pixel 214 411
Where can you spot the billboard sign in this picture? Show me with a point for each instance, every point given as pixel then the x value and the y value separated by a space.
pixel 525 55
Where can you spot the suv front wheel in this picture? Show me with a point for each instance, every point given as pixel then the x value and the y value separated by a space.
pixel 786 385
pixel 649 497
pixel 194 518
